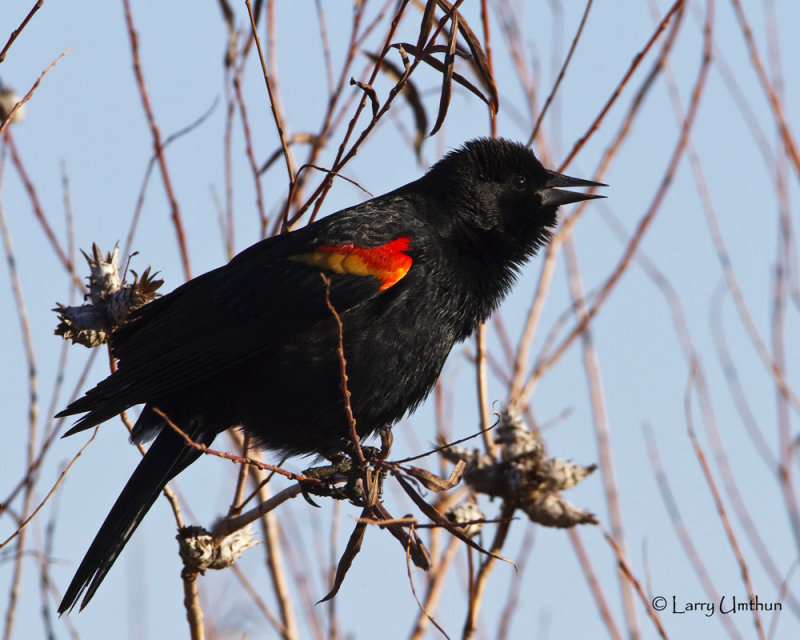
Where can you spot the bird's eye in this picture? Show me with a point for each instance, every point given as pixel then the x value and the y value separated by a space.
pixel 518 182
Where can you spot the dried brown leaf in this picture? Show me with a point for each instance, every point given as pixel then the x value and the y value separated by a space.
pixel 439 66
pixel 460 51
pixel 439 518
pixel 348 555
pixel 447 76
pixel 373 97
pixel 433 482
pixel 409 539
pixel 478 56
pixel 428 18
pixel 410 93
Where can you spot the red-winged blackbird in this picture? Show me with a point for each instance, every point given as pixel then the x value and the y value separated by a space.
pixel 254 343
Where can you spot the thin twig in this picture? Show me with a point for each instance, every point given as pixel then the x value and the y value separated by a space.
pixel 33 418
pixel 158 147
pixel 722 512
pixel 561 74
pixel 515 584
pixel 436 581
pixel 271 529
pixel 483 390
pixel 272 102
pixel 625 566
pixel 29 186
pixel 251 158
pixel 252 591
pixel 428 614
pixel 137 209
pixel 487 47
pixel 678 5
pixel 19 29
pixel 263 466
pixel 598 592
pixel 772 95
pixel 49 493
pixel 693 554
pixel 242 441
pixel 227 218
pixel 227 526
pixel 591 364
pixel 348 409
pixel 470 624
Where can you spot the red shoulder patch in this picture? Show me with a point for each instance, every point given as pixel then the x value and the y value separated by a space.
pixel 387 262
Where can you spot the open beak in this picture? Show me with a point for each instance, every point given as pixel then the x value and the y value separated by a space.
pixel 552 196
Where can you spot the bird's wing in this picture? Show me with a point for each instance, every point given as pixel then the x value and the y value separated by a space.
pixel 266 295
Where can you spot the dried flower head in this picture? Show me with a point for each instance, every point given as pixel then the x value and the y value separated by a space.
pixel 8 99
pixel 467 513
pixel 523 476
pixel 200 550
pixel 111 301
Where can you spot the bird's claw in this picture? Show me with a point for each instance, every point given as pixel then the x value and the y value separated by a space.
pixel 346 467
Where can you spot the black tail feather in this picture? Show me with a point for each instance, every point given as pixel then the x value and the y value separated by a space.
pixel 166 457
pixel 91 419
pixel 97 408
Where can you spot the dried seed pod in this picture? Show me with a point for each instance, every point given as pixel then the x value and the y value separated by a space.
pixel 200 550
pixel 523 476
pixel 467 513
pixel 110 300
pixel 8 99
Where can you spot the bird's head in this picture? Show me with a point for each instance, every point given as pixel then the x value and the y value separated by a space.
pixel 496 192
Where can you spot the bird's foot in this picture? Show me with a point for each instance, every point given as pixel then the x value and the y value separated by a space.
pixel 345 466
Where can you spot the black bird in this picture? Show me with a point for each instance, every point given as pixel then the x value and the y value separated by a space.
pixel 253 343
